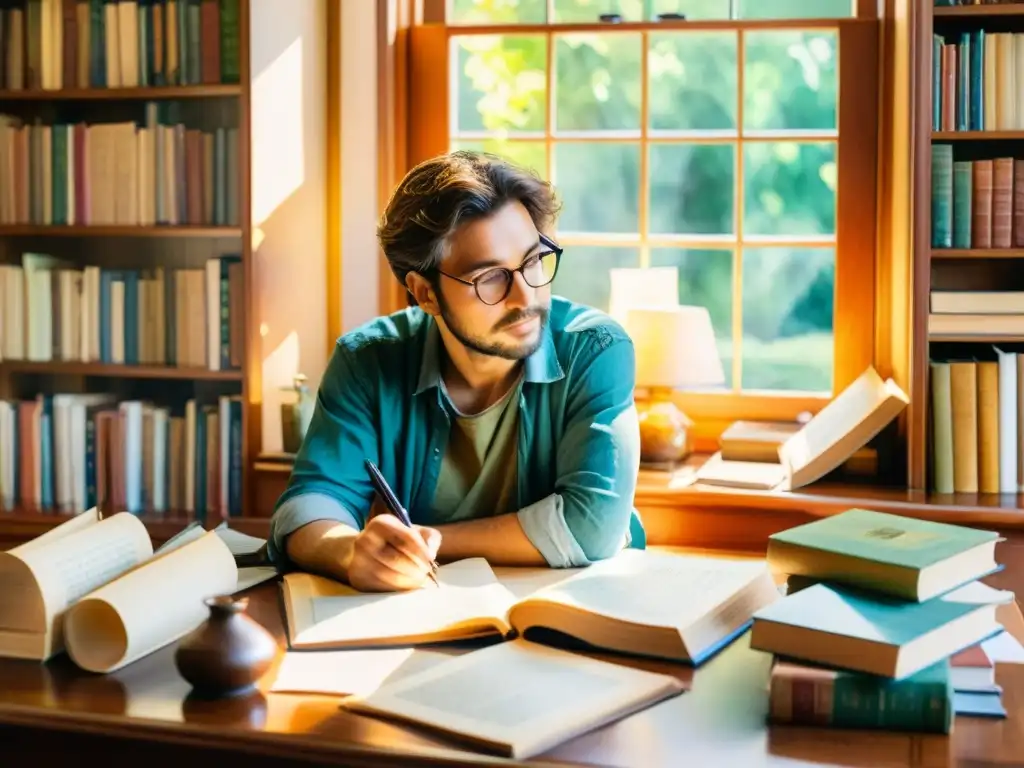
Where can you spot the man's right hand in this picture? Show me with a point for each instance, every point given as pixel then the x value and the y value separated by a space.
pixel 387 556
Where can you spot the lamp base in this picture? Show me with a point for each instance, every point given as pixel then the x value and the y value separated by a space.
pixel 664 430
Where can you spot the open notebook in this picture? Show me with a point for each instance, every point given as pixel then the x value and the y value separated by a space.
pixel 643 602
pixel 517 699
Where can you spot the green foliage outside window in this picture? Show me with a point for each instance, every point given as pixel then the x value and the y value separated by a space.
pixel 694 161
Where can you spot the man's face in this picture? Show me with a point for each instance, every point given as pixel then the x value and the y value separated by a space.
pixel 512 328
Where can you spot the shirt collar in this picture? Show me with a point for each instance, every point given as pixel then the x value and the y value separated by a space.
pixel 541 367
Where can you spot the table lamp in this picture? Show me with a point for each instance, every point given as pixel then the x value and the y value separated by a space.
pixel 675 349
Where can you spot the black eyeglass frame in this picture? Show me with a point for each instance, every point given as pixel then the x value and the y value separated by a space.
pixel 546 241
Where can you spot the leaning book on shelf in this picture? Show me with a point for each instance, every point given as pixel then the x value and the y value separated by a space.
pixel 640 602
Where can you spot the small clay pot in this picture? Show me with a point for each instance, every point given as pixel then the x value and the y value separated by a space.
pixel 228 653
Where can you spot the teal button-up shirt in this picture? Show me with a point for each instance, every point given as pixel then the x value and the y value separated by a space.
pixel 578 438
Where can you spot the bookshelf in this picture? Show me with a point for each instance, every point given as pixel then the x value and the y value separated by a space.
pixel 133 381
pixel 966 440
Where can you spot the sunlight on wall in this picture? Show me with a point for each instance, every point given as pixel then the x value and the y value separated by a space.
pixel 279 366
pixel 277 132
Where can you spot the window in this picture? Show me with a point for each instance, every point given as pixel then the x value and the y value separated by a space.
pixel 714 146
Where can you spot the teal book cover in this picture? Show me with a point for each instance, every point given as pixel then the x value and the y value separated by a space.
pixel 902 541
pixel 876 618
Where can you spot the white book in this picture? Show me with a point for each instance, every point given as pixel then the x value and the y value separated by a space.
pixel 1008 438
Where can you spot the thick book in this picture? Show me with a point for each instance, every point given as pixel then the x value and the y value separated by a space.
pixel 517 699
pixel 802 694
pixel 640 602
pixel 94 587
pixel 863 632
pixel 900 556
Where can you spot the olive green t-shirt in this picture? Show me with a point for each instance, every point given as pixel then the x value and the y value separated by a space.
pixel 478 470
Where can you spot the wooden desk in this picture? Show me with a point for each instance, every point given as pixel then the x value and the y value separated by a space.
pixel 143 716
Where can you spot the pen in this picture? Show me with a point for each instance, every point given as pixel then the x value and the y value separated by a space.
pixel 393 505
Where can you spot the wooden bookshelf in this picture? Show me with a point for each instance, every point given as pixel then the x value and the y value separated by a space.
pixel 978 253
pixel 214 112
pixel 225 90
pixel 111 370
pixel 979 11
pixel 962 262
pixel 111 230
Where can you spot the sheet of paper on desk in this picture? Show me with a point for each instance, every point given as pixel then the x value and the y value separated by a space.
pixel 348 673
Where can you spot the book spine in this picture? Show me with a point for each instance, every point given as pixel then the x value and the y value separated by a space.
pixel 847 700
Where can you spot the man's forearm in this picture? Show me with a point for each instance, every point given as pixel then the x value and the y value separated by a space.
pixel 500 540
pixel 324 547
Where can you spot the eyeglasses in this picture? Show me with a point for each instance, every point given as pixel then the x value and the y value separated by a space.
pixel 537 270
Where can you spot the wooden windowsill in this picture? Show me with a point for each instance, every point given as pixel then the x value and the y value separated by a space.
pixel 674 490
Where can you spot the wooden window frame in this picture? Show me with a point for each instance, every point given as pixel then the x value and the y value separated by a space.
pixel 418 99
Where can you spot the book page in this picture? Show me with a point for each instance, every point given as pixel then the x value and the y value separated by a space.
pixel 69 567
pixel 518 697
pixel 150 607
pixel 468 591
pixel 239 543
pixel 77 523
pixel 658 589
pixel 843 426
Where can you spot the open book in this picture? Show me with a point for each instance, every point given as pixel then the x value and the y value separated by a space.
pixel 94 586
pixel 642 602
pixel 42 578
pixel 844 426
pixel 517 699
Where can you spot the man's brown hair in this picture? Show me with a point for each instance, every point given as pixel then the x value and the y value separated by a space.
pixel 441 194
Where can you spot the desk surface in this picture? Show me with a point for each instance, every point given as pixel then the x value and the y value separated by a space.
pixel 720 721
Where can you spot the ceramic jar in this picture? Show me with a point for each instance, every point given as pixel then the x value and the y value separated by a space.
pixel 228 653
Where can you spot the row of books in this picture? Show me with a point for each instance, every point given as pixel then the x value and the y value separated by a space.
pixel 118 173
pixel 55 44
pixel 885 624
pixel 976 203
pixel 977 436
pixel 190 318
pixel 66 453
pixel 976 78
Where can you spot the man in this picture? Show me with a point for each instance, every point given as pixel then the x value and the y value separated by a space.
pixel 502 418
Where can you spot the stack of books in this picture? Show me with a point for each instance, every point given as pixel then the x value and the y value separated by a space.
pixel 882 624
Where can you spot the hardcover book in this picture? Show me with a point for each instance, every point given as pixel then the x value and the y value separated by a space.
pixel 899 556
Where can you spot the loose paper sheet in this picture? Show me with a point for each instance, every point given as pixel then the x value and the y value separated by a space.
pixel 150 607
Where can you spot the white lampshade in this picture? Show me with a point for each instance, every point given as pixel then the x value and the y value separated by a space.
pixel 641 287
pixel 675 347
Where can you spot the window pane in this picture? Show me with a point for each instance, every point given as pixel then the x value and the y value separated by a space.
pixel 583 273
pixel 787 318
pixel 705 280
pixel 795 9
pixel 789 188
pixel 692 189
pixel 692 81
pixel 591 10
pixel 597 82
pixel 599 185
pixel 789 80
pixel 529 154
pixel 693 10
pixel 491 12
pixel 501 83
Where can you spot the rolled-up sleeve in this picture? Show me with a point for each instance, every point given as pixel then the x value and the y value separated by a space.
pixel 587 518
pixel 328 481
